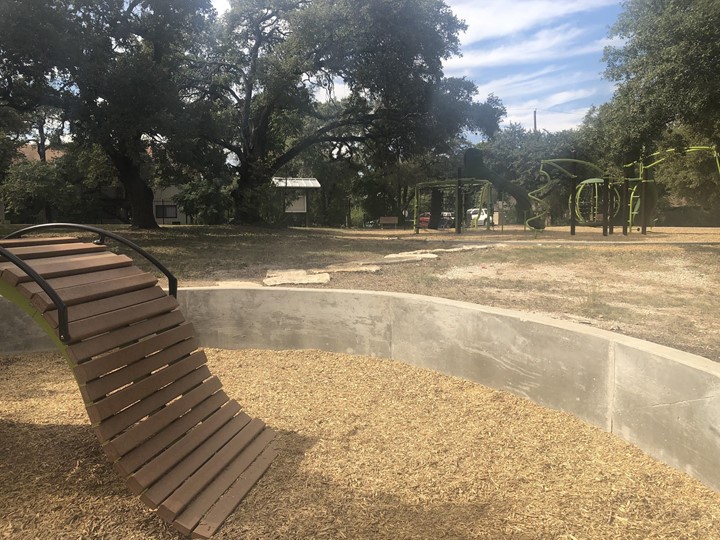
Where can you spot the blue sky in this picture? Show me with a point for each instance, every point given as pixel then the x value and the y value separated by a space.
pixel 542 55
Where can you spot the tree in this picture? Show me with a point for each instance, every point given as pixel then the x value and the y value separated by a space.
pixel 273 59
pixel 34 191
pixel 117 78
pixel 127 72
pixel 667 68
pixel 512 161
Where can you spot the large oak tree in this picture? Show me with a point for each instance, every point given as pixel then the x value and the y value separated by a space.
pixel 379 62
pixel 112 65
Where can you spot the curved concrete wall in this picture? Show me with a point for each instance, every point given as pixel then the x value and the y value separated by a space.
pixel 665 401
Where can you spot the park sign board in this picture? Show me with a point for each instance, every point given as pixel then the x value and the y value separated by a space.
pixel 298 203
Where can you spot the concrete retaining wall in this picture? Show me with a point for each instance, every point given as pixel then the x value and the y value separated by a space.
pixel 665 401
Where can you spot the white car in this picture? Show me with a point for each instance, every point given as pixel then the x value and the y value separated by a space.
pixel 477 216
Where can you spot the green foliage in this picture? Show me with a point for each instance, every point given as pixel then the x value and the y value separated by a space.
pixel 516 152
pixel 514 156
pixel 667 68
pixel 208 202
pixel 118 79
pixel 8 152
pixel 271 58
pixel 688 177
pixel 34 190
pixel 168 92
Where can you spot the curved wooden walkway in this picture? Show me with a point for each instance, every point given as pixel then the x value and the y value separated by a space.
pixel 181 444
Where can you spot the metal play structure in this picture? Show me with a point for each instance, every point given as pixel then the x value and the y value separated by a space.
pixel 461 186
pixel 601 199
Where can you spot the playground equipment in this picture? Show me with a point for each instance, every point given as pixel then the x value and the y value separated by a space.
pixel 586 196
pixel 164 422
pixel 461 187
pixel 600 200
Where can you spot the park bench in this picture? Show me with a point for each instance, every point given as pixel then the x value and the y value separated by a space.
pixel 163 420
pixel 388 220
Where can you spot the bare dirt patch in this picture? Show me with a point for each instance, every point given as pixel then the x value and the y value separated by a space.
pixel 374 449
pixel 368 449
pixel 660 287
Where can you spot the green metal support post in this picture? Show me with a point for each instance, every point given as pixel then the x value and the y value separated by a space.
pixel 573 192
pixel 626 211
pixel 643 196
pixel 606 205
pixel 458 206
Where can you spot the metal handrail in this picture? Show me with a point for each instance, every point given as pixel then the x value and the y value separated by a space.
pixel 102 235
pixel 63 327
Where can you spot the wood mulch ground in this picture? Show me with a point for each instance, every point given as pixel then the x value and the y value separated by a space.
pixel 369 448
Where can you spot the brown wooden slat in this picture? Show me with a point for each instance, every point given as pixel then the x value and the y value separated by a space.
pixel 203 477
pixel 128 440
pixel 161 464
pixel 76 260
pixel 92 347
pixel 212 521
pixel 127 356
pixel 54 250
pixel 130 416
pixel 100 324
pixel 71 265
pixel 141 390
pixel 106 305
pixel 164 487
pixel 162 416
pixel 138 456
pixel 201 503
pixel 34 241
pixel 256 450
pixel 98 388
pixel 29 288
pixel 90 292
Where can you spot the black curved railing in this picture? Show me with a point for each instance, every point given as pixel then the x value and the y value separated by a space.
pixel 63 328
pixel 102 235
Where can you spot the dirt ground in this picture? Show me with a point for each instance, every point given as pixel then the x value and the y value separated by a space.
pixel 368 449
pixel 377 449
pixel 660 287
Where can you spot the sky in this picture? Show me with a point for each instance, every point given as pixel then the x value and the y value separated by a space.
pixel 535 55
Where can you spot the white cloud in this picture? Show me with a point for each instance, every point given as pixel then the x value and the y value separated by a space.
pixel 549 120
pixel 547 79
pixel 558 110
pixel 543 46
pixel 498 18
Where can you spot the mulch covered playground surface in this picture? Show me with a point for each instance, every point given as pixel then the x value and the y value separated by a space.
pixel 369 448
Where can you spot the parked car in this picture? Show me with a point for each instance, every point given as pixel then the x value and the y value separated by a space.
pixel 447 220
pixel 477 217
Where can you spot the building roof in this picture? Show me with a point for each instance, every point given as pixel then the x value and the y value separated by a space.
pixel 30 153
pixel 295 182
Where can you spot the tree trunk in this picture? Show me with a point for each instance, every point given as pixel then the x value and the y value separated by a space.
pixel 137 192
pixel 248 201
